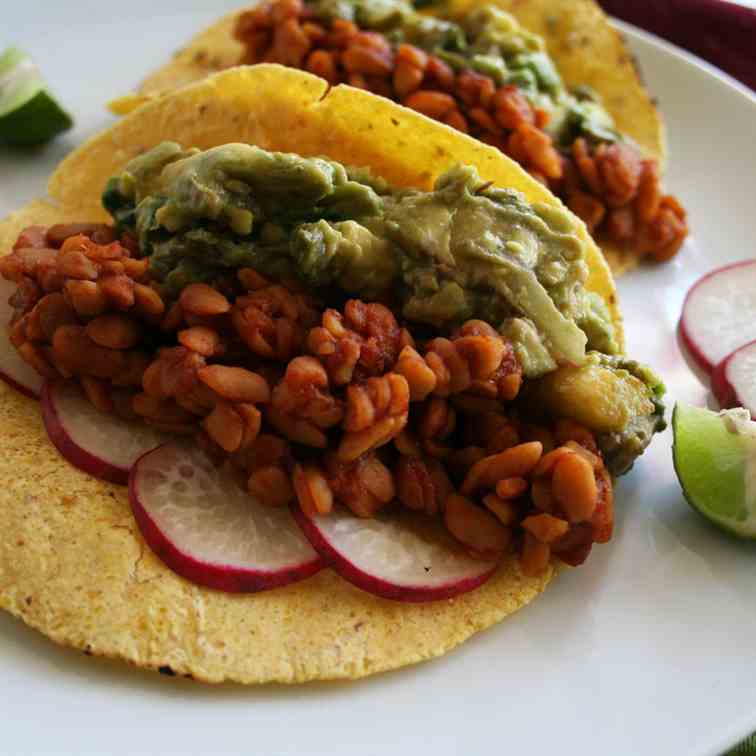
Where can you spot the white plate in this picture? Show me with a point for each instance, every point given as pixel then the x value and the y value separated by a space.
pixel 648 649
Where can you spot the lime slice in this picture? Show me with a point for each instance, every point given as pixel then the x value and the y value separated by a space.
pixel 715 461
pixel 28 112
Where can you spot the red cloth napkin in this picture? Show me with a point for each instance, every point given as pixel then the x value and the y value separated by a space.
pixel 718 31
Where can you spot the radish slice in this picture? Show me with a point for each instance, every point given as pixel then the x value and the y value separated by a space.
pixel 13 370
pixel 400 556
pixel 198 520
pixel 719 314
pixel 100 444
pixel 733 381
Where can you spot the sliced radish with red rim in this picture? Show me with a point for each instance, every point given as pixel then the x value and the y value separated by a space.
pixel 719 314
pixel 397 555
pixel 13 369
pixel 98 443
pixel 733 381
pixel 199 521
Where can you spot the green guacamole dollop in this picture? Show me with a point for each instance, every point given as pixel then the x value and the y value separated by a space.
pixel 465 249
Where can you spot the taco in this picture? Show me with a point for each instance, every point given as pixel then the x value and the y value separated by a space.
pixel 551 84
pixel 221 228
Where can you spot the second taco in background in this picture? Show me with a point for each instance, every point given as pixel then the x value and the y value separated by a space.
pixel 550 84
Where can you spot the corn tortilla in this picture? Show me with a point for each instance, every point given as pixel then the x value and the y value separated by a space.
pixel 72 562
pixel 583 44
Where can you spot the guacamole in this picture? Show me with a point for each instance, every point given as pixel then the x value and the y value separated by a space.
pixel 465 249
pixel 489 41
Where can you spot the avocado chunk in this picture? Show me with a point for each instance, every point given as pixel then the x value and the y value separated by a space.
pixel 619 400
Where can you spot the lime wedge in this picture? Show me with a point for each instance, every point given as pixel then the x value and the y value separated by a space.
pixel 28 112
pixel 715 460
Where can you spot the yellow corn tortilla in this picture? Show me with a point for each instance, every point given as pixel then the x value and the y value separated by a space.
pixel 72 562
pixel 583 44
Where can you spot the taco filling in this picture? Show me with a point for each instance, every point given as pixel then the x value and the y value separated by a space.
pixel 487 76
pixel 343 343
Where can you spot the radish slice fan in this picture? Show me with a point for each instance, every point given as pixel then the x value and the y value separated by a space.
pixel 98 443
pixel 398 555
pixel 200 522
pixel 13 370
pixel 719 314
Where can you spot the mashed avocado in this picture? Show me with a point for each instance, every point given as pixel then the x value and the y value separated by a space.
pixel 491 42
pixel 471 250
pixel 465 249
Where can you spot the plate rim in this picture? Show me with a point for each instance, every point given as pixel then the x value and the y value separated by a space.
pixel 654 40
